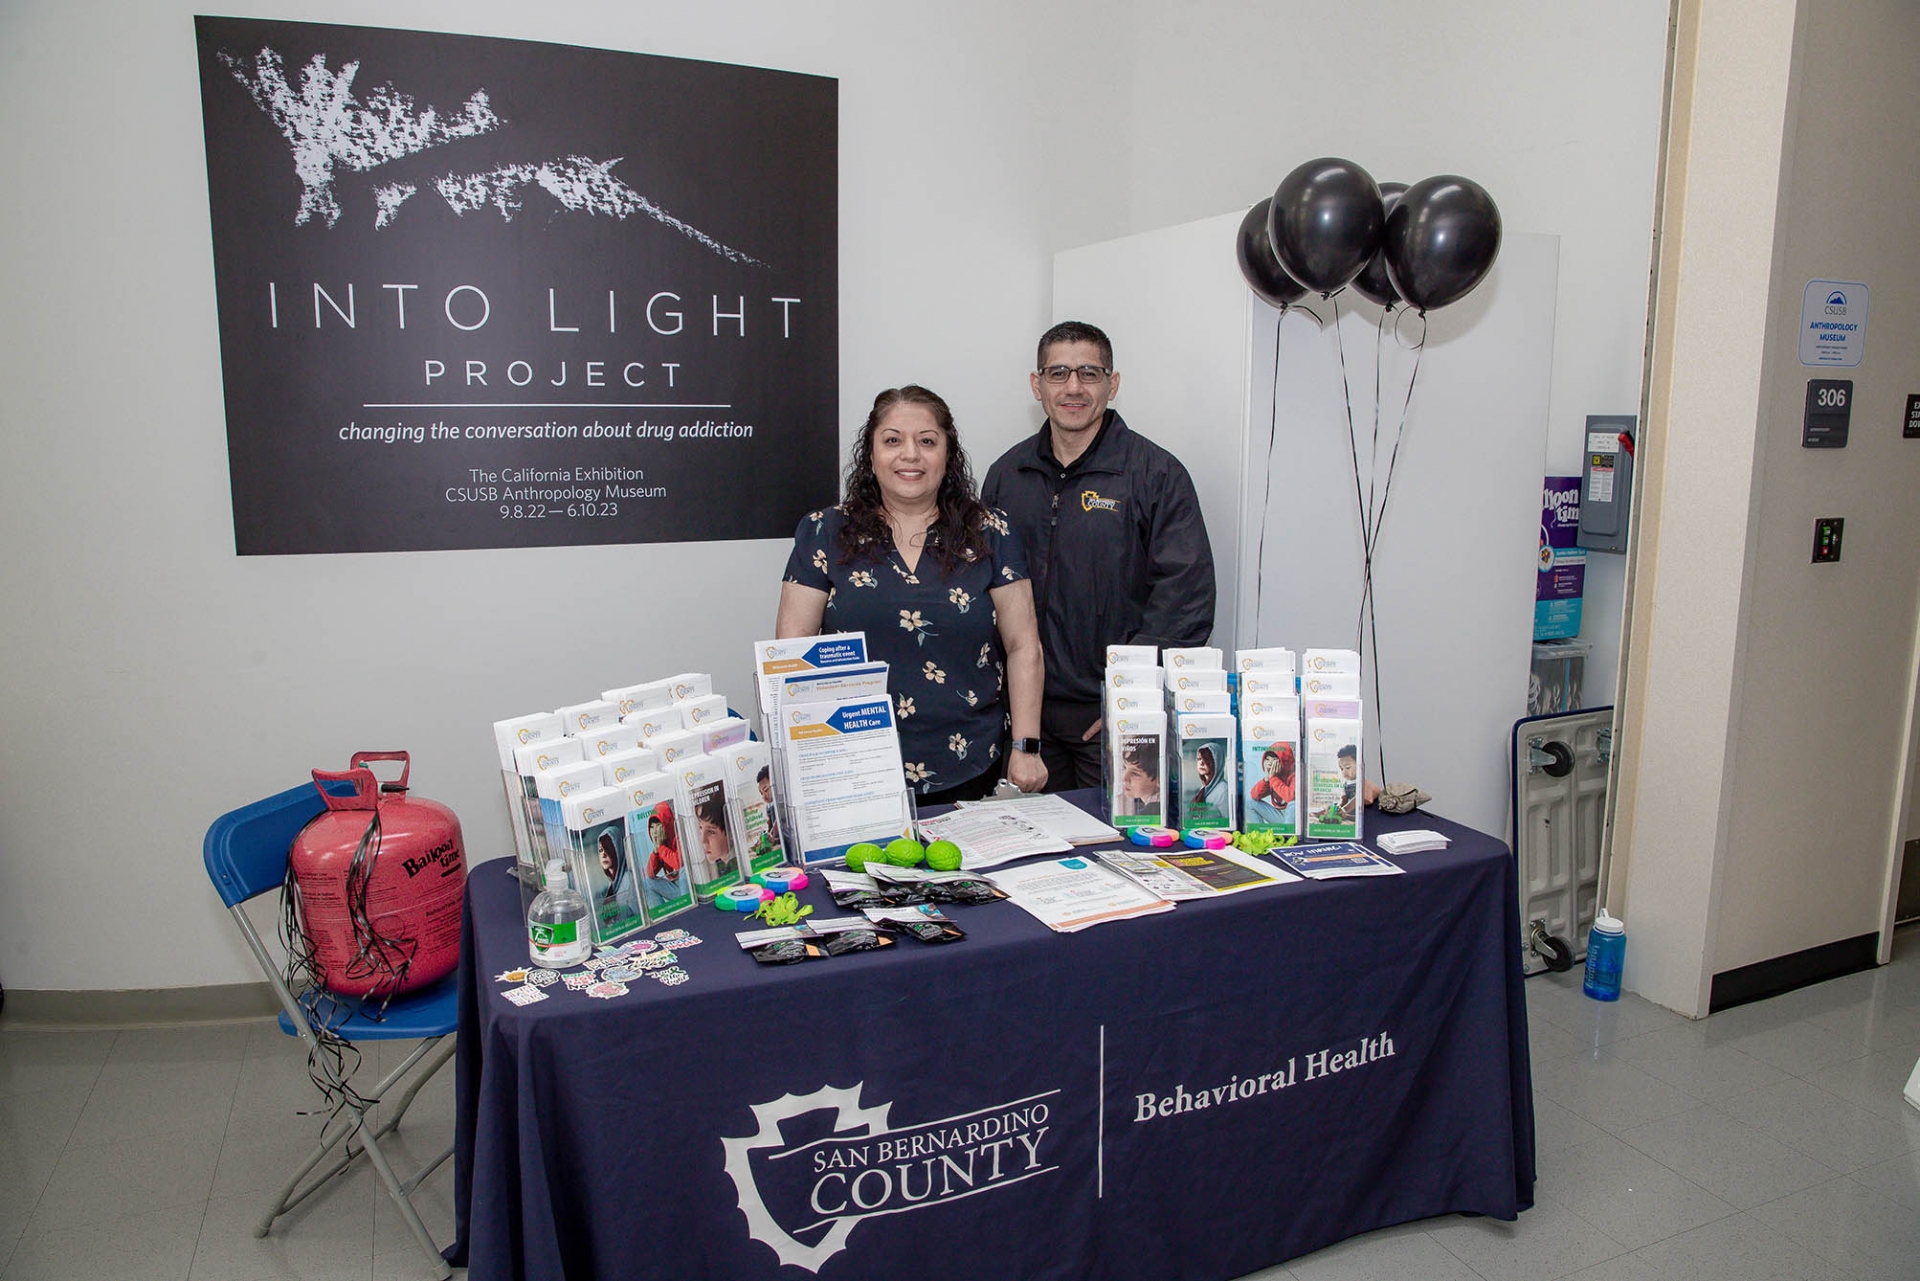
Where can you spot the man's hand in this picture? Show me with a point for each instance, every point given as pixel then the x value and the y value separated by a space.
pixel 1093 731
pixel 1026 771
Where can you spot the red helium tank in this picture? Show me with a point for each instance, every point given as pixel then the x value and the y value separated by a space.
pixel 398 914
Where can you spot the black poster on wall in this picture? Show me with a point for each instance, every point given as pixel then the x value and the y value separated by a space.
pixel 497 293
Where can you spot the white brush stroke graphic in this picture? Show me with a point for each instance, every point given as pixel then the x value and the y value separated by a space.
pixel 325 125
pixel 389 199
pixel 580 183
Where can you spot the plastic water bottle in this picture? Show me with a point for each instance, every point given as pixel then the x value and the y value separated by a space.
pixel 1606 953
pixel 558 931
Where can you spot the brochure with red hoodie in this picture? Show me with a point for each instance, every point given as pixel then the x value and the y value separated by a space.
pixel 655 847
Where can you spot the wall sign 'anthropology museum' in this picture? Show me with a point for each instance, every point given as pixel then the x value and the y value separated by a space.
pixel 498 293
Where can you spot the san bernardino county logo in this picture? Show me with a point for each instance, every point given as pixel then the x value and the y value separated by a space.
pixel 1090 501
pixel 821 1189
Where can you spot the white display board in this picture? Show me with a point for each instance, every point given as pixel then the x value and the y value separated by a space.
pixel 1455 567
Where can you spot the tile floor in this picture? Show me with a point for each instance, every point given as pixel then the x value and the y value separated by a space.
pixel 1770 1141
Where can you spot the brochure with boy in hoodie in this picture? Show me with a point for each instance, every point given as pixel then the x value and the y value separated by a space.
pixel 596 822
pixel 653 835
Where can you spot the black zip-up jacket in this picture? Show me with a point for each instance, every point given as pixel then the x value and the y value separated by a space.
pixel 1116 548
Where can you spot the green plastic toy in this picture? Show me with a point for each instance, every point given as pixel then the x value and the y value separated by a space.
pixel 1262 842
pixel 943 856
pixel 857 856
pixel 906 852
pixel 784 909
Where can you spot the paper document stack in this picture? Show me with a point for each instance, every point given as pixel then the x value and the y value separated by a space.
pixel 1417 841
pixel 989 835
pixel 1054 814
pixel 1070 894
pixel 1270 772
pixel 1179 875
pixel 1333 859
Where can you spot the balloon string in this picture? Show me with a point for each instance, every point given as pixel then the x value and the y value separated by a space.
pixel 1400 433
pixel 1373 459
pixel 1369 603
pixel 1359 494
pixel 1369 614
pixel 1373 469
pixel 1266 503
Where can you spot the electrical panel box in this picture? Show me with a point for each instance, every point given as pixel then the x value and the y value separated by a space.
pixel 1606 482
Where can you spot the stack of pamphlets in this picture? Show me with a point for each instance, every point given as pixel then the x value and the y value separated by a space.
pixel 844 778
pixel 813 685
pixel 1417 841
pixel 1070 894
pixel 1333 719
pixel 1181 874
pixel 1326 862
pixel 774 659
pixel 989 835
pixel 1203 756
pixel 1055 815
pixel 508 736
pixel 1269 742
pixel 1135 722
pixel 548 760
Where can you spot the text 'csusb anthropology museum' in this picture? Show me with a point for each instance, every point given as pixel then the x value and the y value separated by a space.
pixel 498 293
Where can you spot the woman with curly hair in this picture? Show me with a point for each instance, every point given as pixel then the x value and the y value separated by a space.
pixel 938 582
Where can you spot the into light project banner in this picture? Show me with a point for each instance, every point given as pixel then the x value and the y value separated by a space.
pixel 498 293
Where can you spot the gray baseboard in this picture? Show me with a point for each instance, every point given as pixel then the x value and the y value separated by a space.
pixel 140 1007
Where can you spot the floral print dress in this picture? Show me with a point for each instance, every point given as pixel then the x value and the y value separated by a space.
pixel 936 632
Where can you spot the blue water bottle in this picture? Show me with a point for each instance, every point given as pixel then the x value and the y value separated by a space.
pixel 1606 953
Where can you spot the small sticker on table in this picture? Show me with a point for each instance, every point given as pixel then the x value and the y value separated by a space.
pixel 524 995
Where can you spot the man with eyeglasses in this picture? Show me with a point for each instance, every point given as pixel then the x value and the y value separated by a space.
pixel 1115 542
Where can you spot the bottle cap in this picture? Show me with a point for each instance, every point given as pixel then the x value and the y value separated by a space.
pixel 556 873
pixel 1608 924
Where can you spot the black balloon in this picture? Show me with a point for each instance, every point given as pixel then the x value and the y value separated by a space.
pixel 1441 240
pixel 1372 283
pixel 1262 270
pixel 1325 222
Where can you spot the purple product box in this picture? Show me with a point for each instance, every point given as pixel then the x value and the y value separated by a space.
pixel 1563 565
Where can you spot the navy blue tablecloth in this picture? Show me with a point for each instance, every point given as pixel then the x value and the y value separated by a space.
pixel 1196 1094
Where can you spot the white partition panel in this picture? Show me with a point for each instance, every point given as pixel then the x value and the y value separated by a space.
pixel 1175 309
pixel 1454 569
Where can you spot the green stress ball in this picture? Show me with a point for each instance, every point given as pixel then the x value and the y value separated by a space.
pixel 943 856
pixel 857 856
pixel 906 852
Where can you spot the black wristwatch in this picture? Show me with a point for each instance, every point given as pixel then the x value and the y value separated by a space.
pixel 1031 746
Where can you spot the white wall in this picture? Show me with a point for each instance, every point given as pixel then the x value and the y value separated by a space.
pixel 1728 133
pixel 975 141
pixel 1176 309
pixel 1830 648
pixel 1554 108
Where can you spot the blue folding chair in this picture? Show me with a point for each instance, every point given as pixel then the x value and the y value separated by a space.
pixel 246 853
